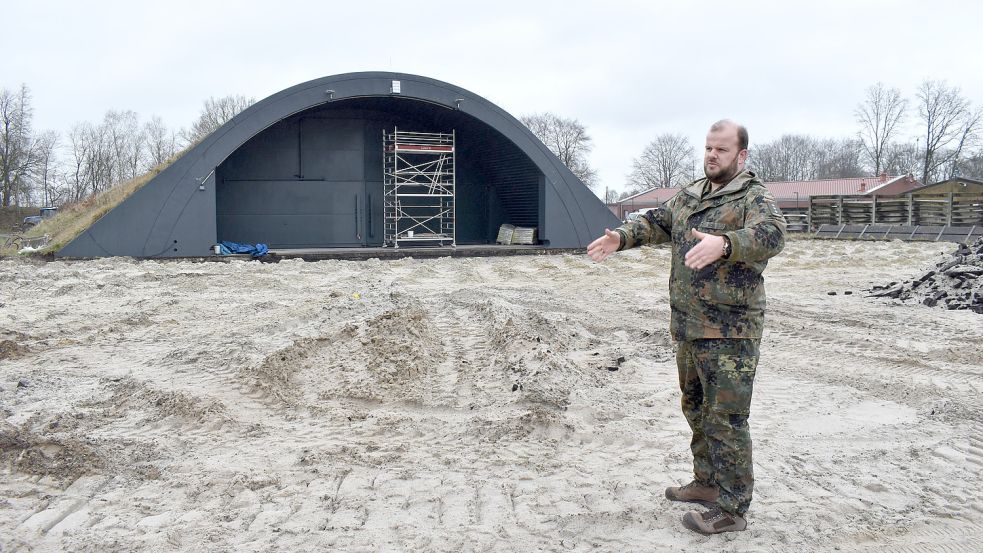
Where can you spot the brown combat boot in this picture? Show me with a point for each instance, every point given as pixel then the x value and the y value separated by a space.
pixel 694 492
pixel 714 521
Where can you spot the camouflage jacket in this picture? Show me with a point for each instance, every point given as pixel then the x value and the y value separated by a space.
pixel 725 299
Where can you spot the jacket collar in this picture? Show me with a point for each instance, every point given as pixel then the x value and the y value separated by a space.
pixel 736 184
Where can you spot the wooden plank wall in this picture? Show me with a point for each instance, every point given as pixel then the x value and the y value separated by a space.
pixel 953 208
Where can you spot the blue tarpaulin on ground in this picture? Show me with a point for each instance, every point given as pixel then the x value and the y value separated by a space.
pixel 259 250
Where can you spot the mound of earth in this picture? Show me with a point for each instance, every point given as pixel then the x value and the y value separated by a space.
pixel 953 283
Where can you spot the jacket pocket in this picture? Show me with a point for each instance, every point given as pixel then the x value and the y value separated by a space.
pixel 712 226
pixel 717 292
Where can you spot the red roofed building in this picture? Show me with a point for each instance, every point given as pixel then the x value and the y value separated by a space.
pixel 792 197
pixel 651 198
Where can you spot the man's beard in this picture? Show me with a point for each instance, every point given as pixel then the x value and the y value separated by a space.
pixel 722 175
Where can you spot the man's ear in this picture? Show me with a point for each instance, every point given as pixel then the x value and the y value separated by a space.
pixel 742 157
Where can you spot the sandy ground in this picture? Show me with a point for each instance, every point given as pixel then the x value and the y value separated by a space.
pixel 470 405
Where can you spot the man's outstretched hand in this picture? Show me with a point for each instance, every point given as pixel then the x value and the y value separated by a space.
pixel 710 249
pixel 600 249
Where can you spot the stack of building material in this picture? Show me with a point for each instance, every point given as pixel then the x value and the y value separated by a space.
pixel 524 235
pixel 505 233
pixel 954 283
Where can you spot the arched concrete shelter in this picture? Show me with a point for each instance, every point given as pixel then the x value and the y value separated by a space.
pixel 304 169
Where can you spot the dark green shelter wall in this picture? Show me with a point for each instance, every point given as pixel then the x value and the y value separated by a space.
pixel 315 179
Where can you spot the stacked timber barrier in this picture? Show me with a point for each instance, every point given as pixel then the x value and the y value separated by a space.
pixel 952 216
pixel 797 222
pixel 953 208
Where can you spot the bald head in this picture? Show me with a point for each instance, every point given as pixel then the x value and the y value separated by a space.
pixel 727 124
pixel 726 151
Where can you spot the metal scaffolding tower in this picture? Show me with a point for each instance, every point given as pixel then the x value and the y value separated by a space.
pixel 419 188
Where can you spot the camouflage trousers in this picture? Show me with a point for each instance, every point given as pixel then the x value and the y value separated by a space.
pixel 716 377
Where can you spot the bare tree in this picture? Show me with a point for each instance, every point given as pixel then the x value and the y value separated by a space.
pixel 94 165
pixel 968 137
pixel 567 139
pixel 879 117
pixel 902 159
pixel 106 154
pixel 943 110
pixel 785 159
pixel 161 142
pixel 665 162
pixel 610 195
pixel 214 114
pixel 126 143
pixel 75 174
pixel 102 162
pixel 89 166
pixel 17 155
pixel 44 171
pixel 798 157
pixel 101 169
pixel 972 166
pixel 834 158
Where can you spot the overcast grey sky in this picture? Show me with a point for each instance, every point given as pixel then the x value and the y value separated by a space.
pixel 628 70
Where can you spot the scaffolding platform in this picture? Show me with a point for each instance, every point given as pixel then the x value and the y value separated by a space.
pixel 419 189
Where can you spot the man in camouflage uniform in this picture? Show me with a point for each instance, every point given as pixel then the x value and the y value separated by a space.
pixel 723 229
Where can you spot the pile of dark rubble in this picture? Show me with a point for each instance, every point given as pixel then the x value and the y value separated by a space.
pixel 953 284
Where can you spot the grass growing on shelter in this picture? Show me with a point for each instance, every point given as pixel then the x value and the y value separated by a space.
pixel 72 220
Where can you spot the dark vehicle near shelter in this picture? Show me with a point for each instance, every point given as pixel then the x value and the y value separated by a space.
pixel 43 213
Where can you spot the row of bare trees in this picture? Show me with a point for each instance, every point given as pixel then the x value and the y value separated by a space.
pixel 949 130
pixel 44 168
pixel 117 149
pixel 948 142
pixel 797 157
